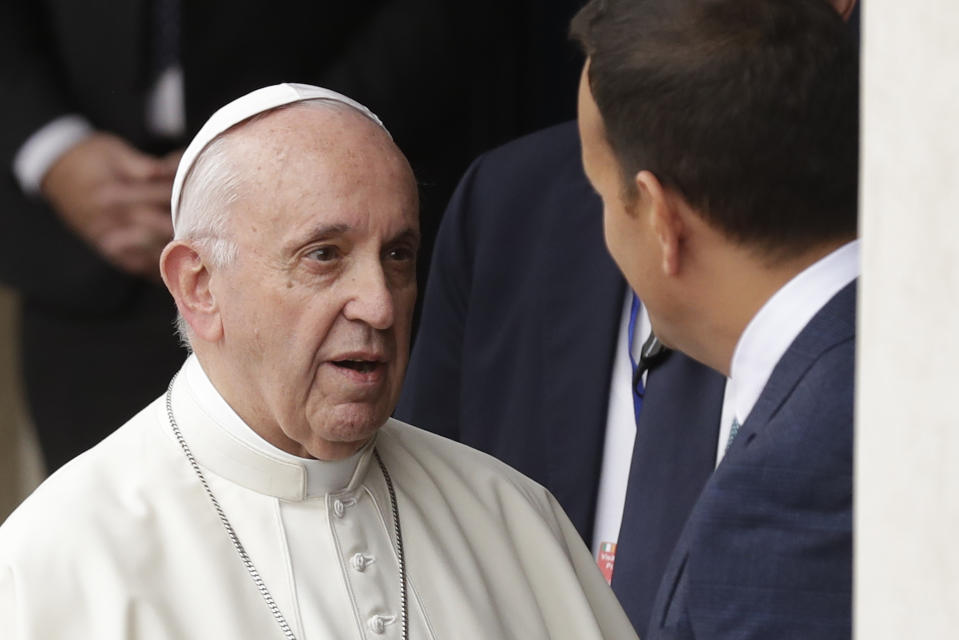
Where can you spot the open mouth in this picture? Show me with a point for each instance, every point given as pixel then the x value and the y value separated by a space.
pixel 363 366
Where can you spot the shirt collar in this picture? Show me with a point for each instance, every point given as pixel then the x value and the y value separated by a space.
pixel 781 319
pixel 321 476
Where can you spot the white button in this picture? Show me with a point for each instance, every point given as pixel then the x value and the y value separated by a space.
pixel 361 561
pixel 340 506
pixel 377 624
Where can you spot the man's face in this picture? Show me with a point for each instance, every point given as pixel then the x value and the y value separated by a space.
pixel 316 309
pixel 628 238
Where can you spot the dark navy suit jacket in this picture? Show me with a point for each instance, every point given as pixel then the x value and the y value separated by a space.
pixel 516 345
pixel 522 306
pixel 767 550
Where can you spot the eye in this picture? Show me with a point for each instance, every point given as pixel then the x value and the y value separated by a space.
pixel 325 253
pixel 401 254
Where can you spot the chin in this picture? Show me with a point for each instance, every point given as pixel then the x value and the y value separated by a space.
pixel 350 423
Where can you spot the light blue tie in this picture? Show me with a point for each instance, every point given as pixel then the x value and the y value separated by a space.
pixel 732 433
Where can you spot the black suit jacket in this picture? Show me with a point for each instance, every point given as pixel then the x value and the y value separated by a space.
pixel 767 550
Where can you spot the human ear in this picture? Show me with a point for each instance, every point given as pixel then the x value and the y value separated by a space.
pixel 664 219
pixel 188 279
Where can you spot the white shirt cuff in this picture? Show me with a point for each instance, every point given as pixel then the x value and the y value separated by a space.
pixel 44 147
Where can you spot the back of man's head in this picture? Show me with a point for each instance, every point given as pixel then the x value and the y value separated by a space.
pixel 746 108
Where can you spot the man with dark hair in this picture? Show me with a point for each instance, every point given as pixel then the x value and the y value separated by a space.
pixel 524 352
pixel 722 139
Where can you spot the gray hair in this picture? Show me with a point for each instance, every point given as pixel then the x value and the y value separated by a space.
pixel 209 191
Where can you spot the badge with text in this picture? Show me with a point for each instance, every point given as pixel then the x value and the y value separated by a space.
pixel 606 559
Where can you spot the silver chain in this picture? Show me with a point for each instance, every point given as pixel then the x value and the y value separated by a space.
pixel 400 557
pixel 244 556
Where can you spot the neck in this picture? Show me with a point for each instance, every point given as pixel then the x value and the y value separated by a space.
pixel 731 291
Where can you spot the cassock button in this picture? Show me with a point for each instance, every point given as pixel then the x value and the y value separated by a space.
pixel 361 561
pixel 377 624
pixel 339 506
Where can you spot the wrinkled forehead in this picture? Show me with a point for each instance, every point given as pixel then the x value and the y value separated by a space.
pixel 306 166
pixel 319 128
pixel 307 145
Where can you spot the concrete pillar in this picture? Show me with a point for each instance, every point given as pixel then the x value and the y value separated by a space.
pixel 907 427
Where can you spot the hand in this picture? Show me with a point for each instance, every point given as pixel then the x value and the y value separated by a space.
pixel 117 199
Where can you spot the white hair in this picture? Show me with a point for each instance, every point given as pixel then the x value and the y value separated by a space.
pixel 209 192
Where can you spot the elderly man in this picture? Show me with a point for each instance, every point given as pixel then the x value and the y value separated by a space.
pixel 722 139
pixel 268 494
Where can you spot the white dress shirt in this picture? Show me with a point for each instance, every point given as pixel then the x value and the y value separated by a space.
pixel 621 430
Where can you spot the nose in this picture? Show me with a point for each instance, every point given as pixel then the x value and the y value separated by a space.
pixel 370 298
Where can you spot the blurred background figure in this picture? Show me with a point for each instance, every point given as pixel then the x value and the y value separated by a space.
pixel 100 97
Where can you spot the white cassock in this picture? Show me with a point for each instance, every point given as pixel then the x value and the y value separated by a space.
pixel 124 543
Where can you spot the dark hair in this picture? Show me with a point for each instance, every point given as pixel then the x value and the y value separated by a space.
pixel 746 108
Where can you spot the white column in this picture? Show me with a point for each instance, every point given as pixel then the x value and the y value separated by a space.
pixel 907 426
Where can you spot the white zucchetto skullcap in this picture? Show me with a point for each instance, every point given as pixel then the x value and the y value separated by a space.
pixel 246 107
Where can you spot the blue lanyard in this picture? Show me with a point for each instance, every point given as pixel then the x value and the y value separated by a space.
pixel 638 390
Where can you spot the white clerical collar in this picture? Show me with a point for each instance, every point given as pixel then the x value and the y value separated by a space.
pixel 322 476
pixel 780 321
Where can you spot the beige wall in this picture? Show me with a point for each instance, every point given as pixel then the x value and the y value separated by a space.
pixel 907 431
pixel 20 468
